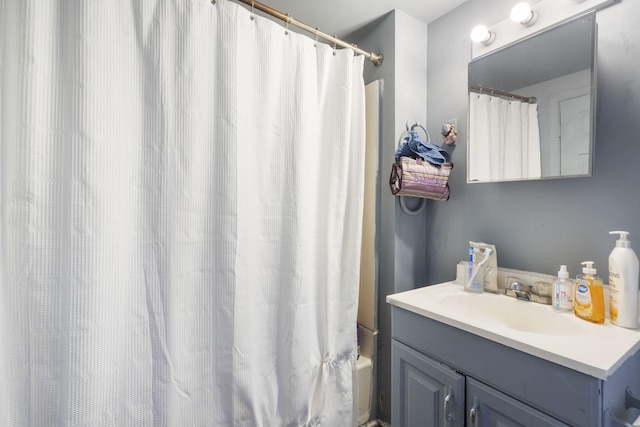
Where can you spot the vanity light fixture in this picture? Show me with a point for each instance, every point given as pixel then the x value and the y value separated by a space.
pixel 523 14
pixel 481 34
pixel 547 14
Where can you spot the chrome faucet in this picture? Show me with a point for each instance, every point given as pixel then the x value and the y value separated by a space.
pixel 540 292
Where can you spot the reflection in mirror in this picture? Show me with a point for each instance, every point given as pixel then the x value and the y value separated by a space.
pixel 532 106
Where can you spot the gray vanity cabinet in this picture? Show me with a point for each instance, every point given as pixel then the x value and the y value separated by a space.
pixel 491 384
pixel 429 393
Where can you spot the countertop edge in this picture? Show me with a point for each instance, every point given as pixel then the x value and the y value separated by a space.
pixel 586 368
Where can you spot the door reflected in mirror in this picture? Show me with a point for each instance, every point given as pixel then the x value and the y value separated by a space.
pixel 532 106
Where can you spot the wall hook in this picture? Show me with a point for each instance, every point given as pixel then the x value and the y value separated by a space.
pixel 422 203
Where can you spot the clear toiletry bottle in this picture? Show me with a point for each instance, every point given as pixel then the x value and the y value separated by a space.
pixel 623 283
pixel 563 291
pixel 474 281
pixel 475 275
pixel 589 300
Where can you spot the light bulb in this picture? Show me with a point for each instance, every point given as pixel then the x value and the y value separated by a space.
pixel 481 34
pixel 523 14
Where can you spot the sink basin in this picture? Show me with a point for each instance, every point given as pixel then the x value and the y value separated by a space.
pixel 534 328
pixel 512 313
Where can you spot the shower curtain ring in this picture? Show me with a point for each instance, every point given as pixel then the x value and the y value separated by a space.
pixel 316 42
pixel 335 44
pixel 286 30
pixel 253 10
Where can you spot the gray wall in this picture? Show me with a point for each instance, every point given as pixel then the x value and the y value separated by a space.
pixel 535 226
pixel 402 40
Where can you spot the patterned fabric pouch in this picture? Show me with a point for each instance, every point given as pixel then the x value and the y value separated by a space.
pixel 420 169
pixel 419 178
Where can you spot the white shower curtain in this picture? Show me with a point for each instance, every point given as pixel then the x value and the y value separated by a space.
pixel 504 142
pixel 181 203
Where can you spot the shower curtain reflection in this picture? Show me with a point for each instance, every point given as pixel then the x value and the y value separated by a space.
pixel 181 205
pixel 505 142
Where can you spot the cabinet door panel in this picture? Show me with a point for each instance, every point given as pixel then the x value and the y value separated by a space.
pixel 487 407
pixel 424 392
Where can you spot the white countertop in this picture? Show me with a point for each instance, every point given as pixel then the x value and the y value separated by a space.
pixel 593 349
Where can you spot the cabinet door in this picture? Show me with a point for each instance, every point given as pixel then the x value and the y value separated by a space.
pixel 487 407
pixel 423 391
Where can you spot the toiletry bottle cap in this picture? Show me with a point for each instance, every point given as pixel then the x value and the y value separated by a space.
pixel 589 267
pixel 563 273
pixel 623 242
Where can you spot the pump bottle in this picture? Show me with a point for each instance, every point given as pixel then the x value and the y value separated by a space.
pixel 563 291
pixel 589 301
pixel 623 283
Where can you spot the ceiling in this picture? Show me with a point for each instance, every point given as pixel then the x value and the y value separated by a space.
pixel 343 17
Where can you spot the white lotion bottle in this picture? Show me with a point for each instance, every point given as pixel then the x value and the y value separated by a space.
pixel 563 291
pixel 623 283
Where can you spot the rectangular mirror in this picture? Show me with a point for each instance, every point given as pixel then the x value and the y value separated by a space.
pixel 532 106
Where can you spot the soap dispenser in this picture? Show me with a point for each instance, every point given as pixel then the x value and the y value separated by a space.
pixel 563 291
pixel 623 283
pixel 589 301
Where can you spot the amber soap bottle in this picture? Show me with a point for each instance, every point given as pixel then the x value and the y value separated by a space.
pixel 589 300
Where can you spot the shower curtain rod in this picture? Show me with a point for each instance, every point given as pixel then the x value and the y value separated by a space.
pixel 375 58
pixel 492 91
